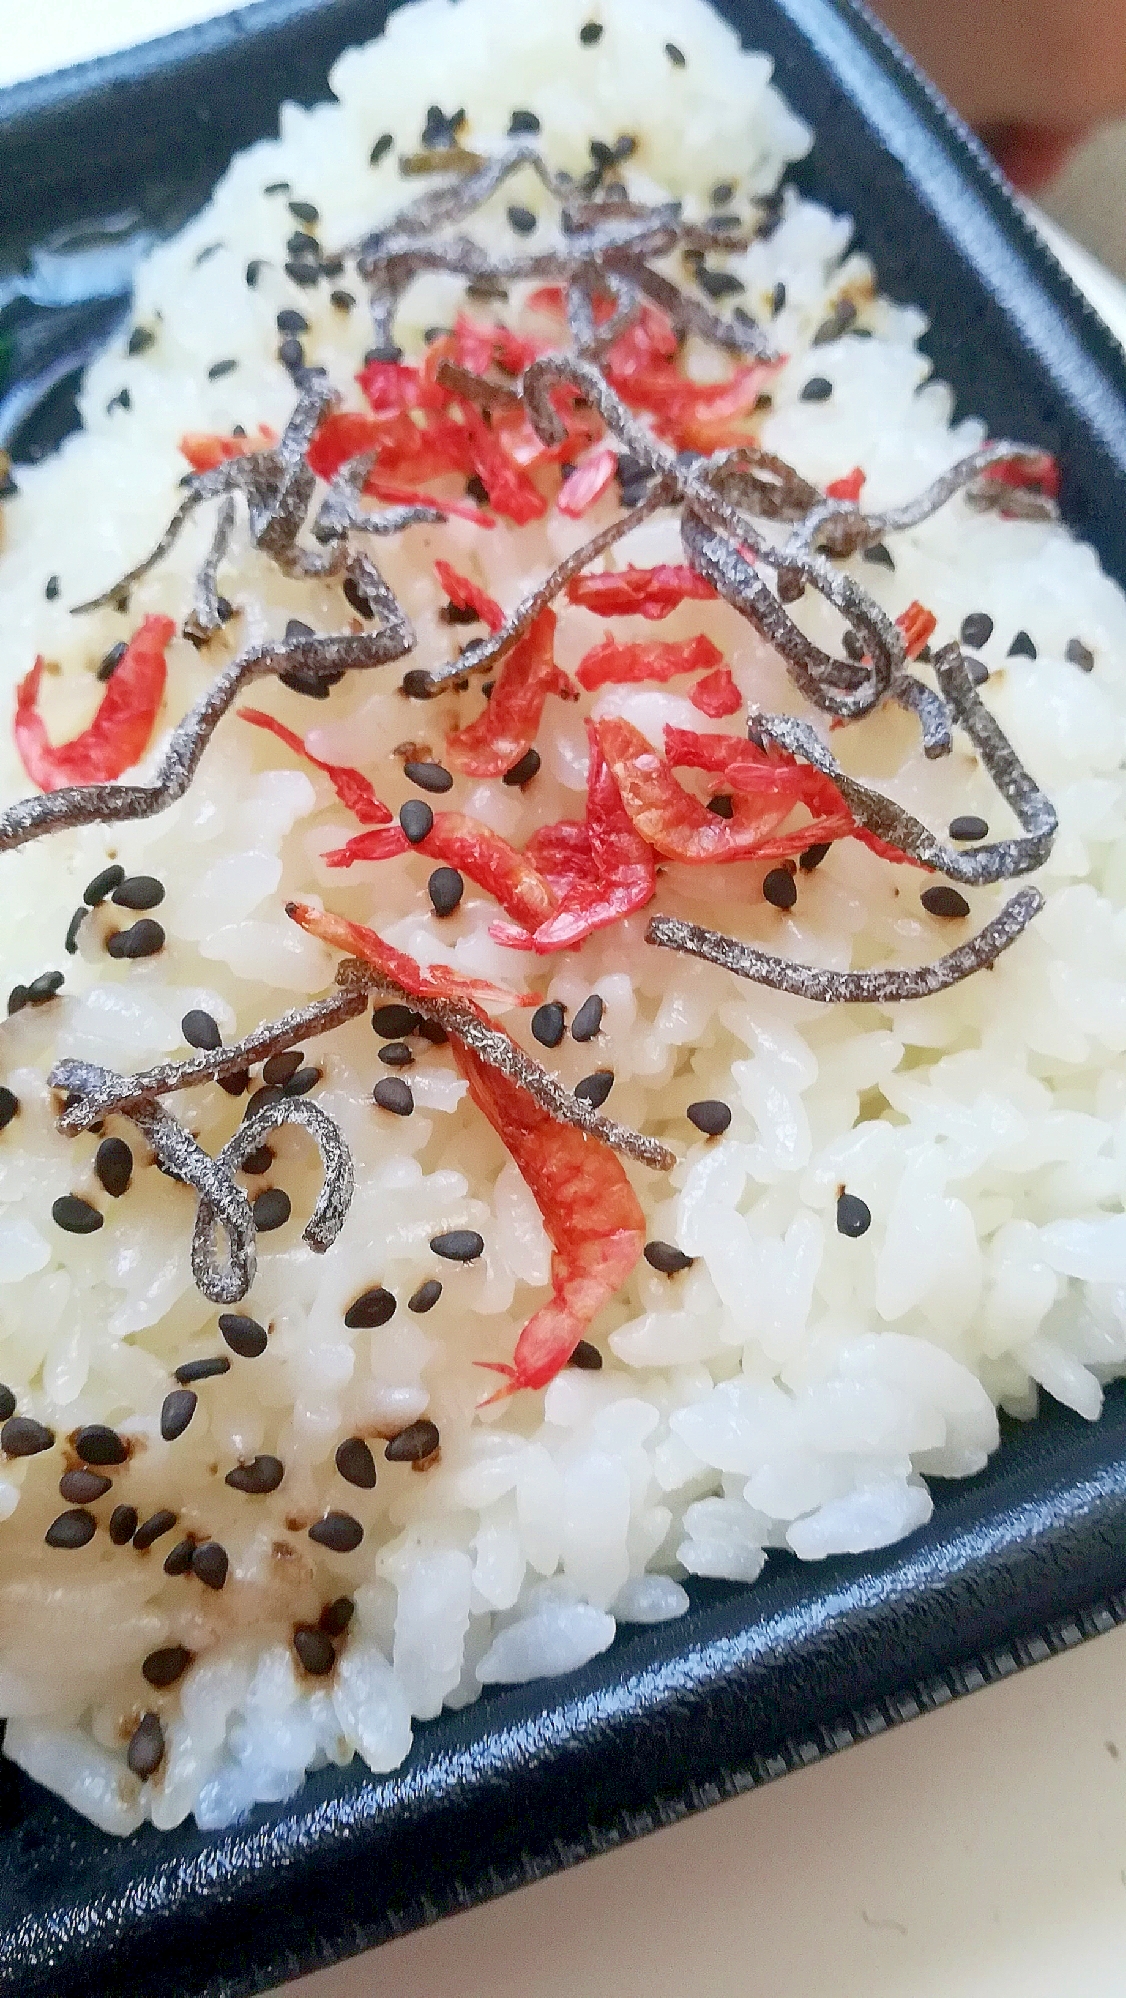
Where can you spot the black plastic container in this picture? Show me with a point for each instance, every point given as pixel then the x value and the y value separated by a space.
pixel 1019 1562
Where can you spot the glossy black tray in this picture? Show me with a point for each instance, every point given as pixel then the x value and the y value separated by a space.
pixel 1022 1561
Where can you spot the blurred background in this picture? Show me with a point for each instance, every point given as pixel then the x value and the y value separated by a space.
pixel 1044 81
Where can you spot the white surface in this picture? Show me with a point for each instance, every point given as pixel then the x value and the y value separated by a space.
pixel 980 1853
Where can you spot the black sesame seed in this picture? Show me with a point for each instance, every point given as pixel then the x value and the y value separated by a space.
pixel 143 939
pixel 202 1370
pixel 164 1667
pixel 96 1443
pixel 677 58
pixel 263 1475
pixel 710 1115
pixel 879 555
pixel 153 1529
pixel 968 826
pixel 83 1487
pixel 1079 655
pixel 381 148
pixel 721 805
pixel 594 1089
pixel 521 220
pixel 234 1083
pixel 210 1564
pixel 70 941
pixel 586 1357
pixel 458 1245
pixel 944 901
pixel 426 1296
pixel 779 888
pixel 523 771
pixel 254 270
pixel 300 1084
pixel 396 1054
pixel 71 1529
pixel 200 1030
pixel 839 320
pixel 429 776
pixel 549 1024
pixel 977 628
pixel 355 1463
pixel 271 1209
pixel 476 489
pixel 445 889
pixel 122 400
pixel 44 987
pixel 17 999
pixel 337 1531
pixel 394 1095
pixel 522 123
pixel 146 1747
pixel 243 1335
pixel 75 1215
pixel 302 244
pixel 51 588
pixel 277 187
pixel 1022 647
pixel 9 1108
pixel 668 1259
pixel 303 274
pixel 7 1403
pixel 418 1441
pixel 280 1068
pixel 718 284
pixel 22 1436
pixel 303 211
pixel 814 855
pixel 392 1022
pixel 258 1161
pixel 342 300
pixel 204 256
pixel 140 340
pixel 123 1525
pixel 816 389
pixel 778 299
pixel 218 369
pixel 113 1163
pixel 179 1561
pixel 176 1412
pixel 429 1030
pixel 291 353
pixel 854 1216
pixel 977 670
pixel 314 1650
pixel 590 33
pixel 336 1616
pixel 588 1019
pixel 416 819
pixel 372 1307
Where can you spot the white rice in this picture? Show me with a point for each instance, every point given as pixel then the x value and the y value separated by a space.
pixel 793 1388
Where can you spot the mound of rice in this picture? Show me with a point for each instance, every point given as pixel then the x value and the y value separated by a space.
pixel 793 1387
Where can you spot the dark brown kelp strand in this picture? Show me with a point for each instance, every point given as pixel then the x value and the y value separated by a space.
pixel 484 652
pixel 329 653
pixel 1020 791
pixel 886 987
pixel 205 619
pixel 341 513
pixel 98 1092
pixel 837 687
pixel 226 1285
pixel 501 1053
pixel 1001 859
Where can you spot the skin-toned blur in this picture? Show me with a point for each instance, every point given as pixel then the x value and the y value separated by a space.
pixel 1032 76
